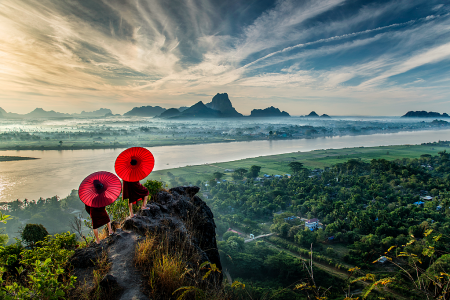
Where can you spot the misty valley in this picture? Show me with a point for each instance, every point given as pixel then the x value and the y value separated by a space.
pixel 120 132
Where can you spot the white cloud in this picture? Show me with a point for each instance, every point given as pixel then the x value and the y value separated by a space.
pixel 134 51
pixel 433 55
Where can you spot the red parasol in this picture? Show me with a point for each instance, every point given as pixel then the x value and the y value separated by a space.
pixel 134 164
pixel 100 189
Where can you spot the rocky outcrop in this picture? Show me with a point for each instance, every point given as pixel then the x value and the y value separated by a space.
pixel 424 114
pixel 222 103
pixel 268 112
pixel 177 214
pixel 312 114
pixel 219 107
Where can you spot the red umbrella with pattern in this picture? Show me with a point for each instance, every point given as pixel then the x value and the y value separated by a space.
pixel 134 164
pixel 100 189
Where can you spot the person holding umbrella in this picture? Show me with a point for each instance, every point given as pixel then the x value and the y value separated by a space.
pixel 97 191
pixel 132 165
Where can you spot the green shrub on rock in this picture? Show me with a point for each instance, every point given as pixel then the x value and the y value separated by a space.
pixel 153 186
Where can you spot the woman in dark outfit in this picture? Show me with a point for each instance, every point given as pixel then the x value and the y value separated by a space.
pixel 99 218
pixel 134 191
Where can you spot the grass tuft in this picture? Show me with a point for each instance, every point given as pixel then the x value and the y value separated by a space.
pixel 144 250
pixel 104 233
pixel 168 273
pixel 171 267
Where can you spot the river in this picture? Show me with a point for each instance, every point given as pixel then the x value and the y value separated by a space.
pixel 58 172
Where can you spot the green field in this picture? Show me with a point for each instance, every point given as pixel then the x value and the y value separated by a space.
pixel 278 164
pixel 111 142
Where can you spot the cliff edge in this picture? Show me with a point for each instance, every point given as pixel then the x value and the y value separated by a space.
pixel 178 222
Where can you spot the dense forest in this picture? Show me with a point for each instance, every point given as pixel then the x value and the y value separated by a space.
pixel 369 208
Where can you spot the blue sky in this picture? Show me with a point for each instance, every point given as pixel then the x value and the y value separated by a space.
pixel 332 56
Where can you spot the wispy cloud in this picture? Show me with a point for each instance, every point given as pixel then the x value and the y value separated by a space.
pixel 122 53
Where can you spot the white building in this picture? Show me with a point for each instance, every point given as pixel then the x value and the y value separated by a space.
pixel 312 224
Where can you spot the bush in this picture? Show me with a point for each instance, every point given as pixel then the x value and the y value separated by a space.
pixel 153 186
pixel 44 266
pixel 118 210
pixel 33 233
pixel 10 254
pixel 3 239
pixel 229 234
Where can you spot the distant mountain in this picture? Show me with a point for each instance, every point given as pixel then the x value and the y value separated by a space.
pixel 312 114
pixel 199 110
pixel 222 103
pixel 96 113
pixel 325 116
pixel 268 112
pixel 424 114
pixel 7 115
pixel 145 111
pixel 171 112
pixel 219 107
pixel 40 113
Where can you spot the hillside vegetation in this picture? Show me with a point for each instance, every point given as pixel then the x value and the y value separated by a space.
pixel 384 227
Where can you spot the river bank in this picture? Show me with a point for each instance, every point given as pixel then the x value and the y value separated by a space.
pixel 278 164
pixel 59 172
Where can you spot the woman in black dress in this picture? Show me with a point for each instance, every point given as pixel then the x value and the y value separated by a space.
pixel 99 218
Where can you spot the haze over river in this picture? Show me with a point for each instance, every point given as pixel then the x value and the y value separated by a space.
pixel 58 172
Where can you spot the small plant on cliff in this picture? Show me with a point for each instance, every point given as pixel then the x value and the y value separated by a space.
pixel 153 186
pixel 144 251
pixel 198 292
pixel 170 272
pixel 118 210
pixel 165 270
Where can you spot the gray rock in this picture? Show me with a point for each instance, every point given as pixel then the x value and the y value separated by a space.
pixel 86 257
pixel 180 215
pixel 109 283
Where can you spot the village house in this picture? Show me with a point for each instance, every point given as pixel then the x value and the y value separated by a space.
pixel 312 224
